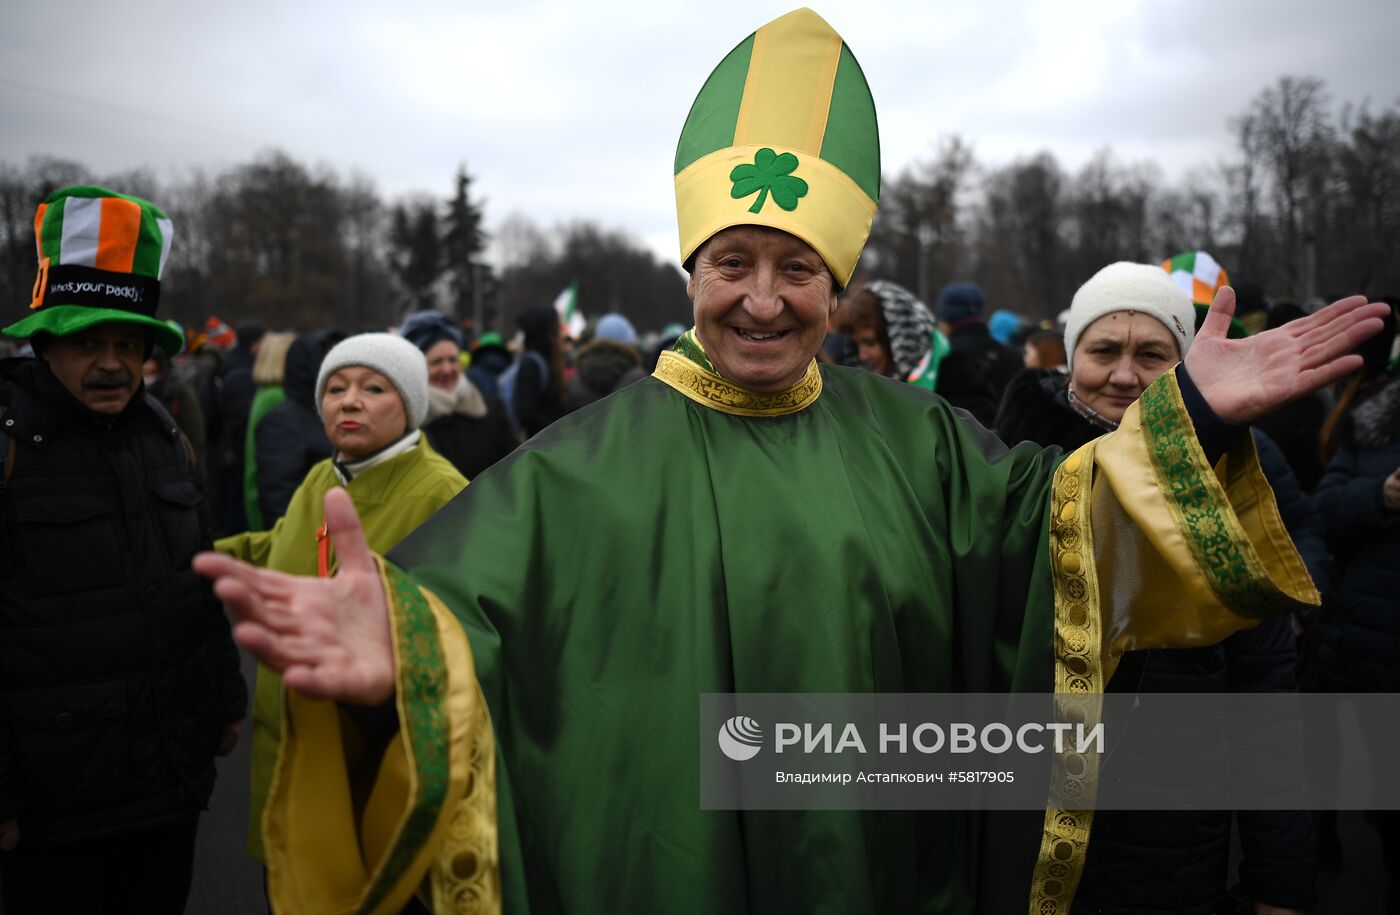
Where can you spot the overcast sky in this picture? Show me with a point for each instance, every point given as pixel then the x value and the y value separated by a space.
pixel 571 110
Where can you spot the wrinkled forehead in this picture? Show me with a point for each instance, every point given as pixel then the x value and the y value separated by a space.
pixel 758 239
pixel 115 332
pixel 1120 327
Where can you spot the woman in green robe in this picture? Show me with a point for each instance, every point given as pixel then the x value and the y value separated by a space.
pixel 747 521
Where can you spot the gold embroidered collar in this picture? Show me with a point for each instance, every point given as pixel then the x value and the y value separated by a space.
pixel 709 389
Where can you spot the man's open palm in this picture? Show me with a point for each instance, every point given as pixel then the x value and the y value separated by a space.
pixel 1243 380
pixel 328 637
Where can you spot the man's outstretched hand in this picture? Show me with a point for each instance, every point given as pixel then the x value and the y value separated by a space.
pixel 1243 380
pixel 328 637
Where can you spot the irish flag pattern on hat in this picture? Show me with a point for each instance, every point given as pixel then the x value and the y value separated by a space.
pixel 101 255
pixel 1197 274
pixel 91 227
pixel 783 134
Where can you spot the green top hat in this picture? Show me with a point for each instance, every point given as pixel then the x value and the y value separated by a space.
pixel 101 255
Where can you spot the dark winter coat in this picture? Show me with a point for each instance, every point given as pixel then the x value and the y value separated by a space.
pixel 603 366
pixel 1296 429
pixel 236 393
pixel 117 670
pixel 178 396
pixel 1036 409
pixel 1001 363
pixel 1360 645
pixel 962 381
pixel 537 400
pixel 290 438
pixel 1178 862
pixel 468 428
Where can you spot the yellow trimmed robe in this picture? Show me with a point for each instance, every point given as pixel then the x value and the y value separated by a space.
pixel 556 624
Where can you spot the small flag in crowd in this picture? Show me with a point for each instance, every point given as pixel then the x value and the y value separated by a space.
pixel 1197 274
pixel 569 315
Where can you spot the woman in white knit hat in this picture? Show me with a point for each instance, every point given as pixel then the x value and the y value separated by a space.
pixel 1128 325
pixel 372 395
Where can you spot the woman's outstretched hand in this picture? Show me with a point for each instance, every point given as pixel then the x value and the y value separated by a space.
pixel 328 637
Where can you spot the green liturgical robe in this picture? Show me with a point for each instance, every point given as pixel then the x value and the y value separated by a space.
pixel 556 624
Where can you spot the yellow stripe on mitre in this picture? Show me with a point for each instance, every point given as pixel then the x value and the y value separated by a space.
pixel 787 95
pixel 834 216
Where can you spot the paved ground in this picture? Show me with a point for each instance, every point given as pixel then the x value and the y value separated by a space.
pixel 226 880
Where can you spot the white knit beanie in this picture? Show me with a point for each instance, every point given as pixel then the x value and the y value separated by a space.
pixel 391 356
pixel 1126 286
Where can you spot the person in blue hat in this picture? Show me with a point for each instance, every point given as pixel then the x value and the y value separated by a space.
pixel 467 426
pixel 961 315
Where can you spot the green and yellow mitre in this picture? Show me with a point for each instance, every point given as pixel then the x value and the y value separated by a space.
pixel 783 134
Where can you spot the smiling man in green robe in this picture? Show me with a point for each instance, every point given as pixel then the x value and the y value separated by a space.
pixel 747 521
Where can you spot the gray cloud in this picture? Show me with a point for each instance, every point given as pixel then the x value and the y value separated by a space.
pixel 566 111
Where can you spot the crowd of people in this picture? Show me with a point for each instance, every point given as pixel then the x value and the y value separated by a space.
pixel 488 574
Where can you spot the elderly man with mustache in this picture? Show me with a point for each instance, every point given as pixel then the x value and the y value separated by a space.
pixel 119 679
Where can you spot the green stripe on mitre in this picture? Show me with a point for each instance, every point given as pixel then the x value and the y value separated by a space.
pixel 715 112
pixel 852 139
pixel 65 320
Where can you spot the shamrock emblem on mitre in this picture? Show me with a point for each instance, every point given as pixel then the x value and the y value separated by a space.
pixel 770 173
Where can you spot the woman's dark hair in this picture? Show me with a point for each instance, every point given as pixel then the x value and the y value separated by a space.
pixel 1049 345
pixel 541 328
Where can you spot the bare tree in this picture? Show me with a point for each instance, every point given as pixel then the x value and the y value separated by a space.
pixel 1286 135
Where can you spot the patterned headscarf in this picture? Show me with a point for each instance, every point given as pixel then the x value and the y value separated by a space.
pixel 908 322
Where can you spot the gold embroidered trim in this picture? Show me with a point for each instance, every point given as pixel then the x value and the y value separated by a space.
pixel 466 877
pixel 1079 686
pixel 710 390
pixel 1201 508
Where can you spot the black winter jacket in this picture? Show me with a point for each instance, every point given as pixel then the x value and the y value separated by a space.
pixel 1178 862
pixel 117 669
pixel 236 394
pixel 1360 645
pixel 1035 409
pixel 1296 429
pixel 537 399
pixel 473 443
pixel 290 438
pixel 1001 363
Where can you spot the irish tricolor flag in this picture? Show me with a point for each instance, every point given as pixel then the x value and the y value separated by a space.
pixel 1197 274
pixel 569 316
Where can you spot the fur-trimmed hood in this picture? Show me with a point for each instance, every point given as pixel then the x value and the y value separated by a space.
pixel 465 400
